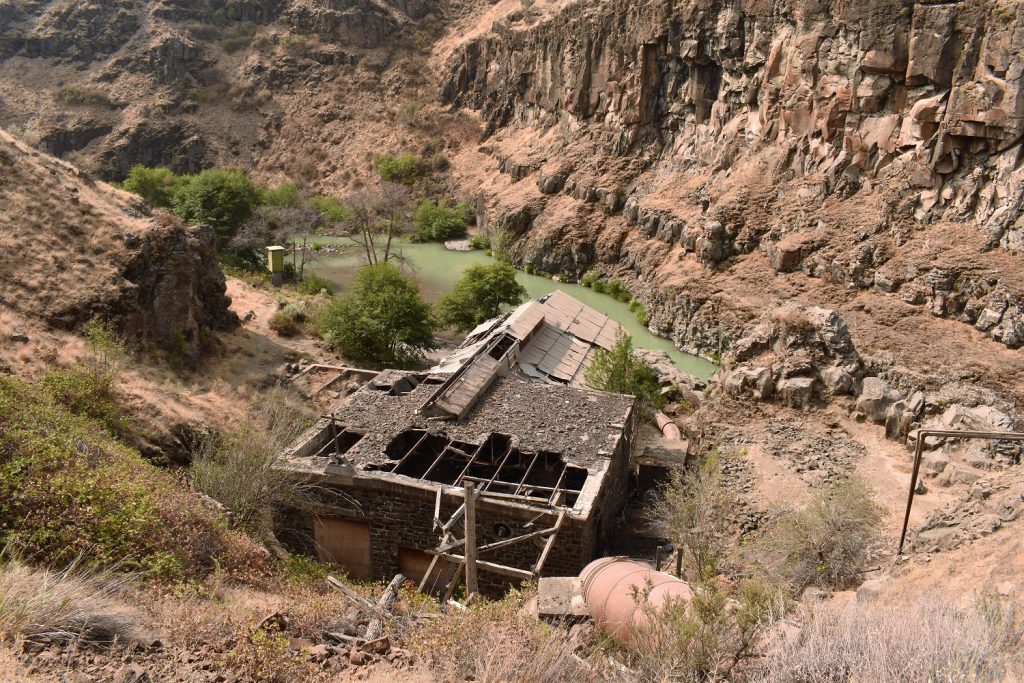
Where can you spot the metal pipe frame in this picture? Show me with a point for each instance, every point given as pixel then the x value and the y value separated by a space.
pixel 922 434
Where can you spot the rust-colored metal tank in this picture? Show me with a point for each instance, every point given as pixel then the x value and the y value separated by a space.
pixel 612 586
pixel 667 427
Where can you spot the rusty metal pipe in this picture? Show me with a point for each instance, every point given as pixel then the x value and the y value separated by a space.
pixel 614 590
pixel 919 452
pixel 667 427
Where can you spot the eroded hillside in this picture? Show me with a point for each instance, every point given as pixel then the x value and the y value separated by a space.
pixel 77 249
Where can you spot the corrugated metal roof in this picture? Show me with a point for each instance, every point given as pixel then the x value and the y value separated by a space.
pixel 560 334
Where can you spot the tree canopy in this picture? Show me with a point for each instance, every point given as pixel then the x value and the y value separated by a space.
pixel 440 222
pixel 479 296
pixel 155 185
pixel 621 371
pixel 222 198
pixel 382 319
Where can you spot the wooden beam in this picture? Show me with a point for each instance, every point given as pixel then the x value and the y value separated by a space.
pixel 430 469
pixel 554 496
pixel 476 453
pixel 437 507
pixel 547 546
pixel 522 482
pixel 471 584
pixel 504 459
pixel 351 594
pixel 375 629
pixel 453 583
pixel 491 566
pixel 517 539
pixel 410 451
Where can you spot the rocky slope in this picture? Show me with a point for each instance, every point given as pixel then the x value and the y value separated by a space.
pixel 75 248
pixel 299 90
pixel 728 157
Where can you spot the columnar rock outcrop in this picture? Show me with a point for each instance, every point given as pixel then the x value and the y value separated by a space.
pixel 752 126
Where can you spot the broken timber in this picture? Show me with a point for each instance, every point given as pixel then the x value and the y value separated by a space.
pixel 470 560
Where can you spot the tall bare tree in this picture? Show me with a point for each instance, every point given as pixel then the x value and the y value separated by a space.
pixel 379 216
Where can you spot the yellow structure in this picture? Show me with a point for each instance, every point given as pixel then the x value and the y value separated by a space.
pixel 275 259
pixel 275 263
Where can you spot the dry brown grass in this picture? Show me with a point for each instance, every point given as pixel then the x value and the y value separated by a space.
pixel 492 642
pixel 71 604
pixel 926 639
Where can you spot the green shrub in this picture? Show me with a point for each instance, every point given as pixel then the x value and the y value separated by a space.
pixel 239 468
pixel 332 209
pixel 283 324
pixel 84 95
pixel 401 169
pixel 313 284
pixel 704 639
pixel 479 241
pixel 382 319
pixel 590 277
pixel 618 290
pixel 296 45
pixel 284 196
pixel 440 223
pixel 155 185
pixel 600 286
pixel 479 295
pixel 695 513
pixel 221 198
pixel 621 371
pixel 828 543
pixel 69 489
pixel 85 393
pixel 637 308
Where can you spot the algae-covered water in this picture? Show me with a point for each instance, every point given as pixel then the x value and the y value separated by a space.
pixel 437 269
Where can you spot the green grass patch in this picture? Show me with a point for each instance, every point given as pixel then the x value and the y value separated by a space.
pixel 70 489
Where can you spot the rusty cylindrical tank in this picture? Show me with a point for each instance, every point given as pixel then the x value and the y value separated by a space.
pixel 613 588
pixel 667 427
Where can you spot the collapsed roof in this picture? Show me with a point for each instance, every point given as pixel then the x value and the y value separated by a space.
pixel 551 339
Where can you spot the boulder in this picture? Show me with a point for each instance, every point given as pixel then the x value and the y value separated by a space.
pixel 752 381
pixel 876 397
pixel 796 392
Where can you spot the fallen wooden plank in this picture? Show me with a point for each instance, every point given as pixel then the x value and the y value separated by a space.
pixel 375 629
pixel 351 594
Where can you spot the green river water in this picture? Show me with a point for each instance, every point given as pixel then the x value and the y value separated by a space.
pixel 437 269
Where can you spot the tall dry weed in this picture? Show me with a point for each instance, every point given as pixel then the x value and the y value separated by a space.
pixel 925 639
pixel 70 604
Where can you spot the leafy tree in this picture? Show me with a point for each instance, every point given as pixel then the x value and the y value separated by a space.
pixel 284 196
pixel 382 319
pixel 331 208
pixel 479 296
pixel 222 198
pixel 621 371
pixel 401 169
pixel 155 185
pixel 439 222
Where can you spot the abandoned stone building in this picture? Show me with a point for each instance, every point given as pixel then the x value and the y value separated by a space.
pixel 507 413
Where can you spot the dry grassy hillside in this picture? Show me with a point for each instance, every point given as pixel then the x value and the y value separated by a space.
pixel 76 248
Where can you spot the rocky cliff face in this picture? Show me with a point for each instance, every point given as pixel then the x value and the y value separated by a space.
pixel 75 248
pixel 872 146
pixel 189 84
